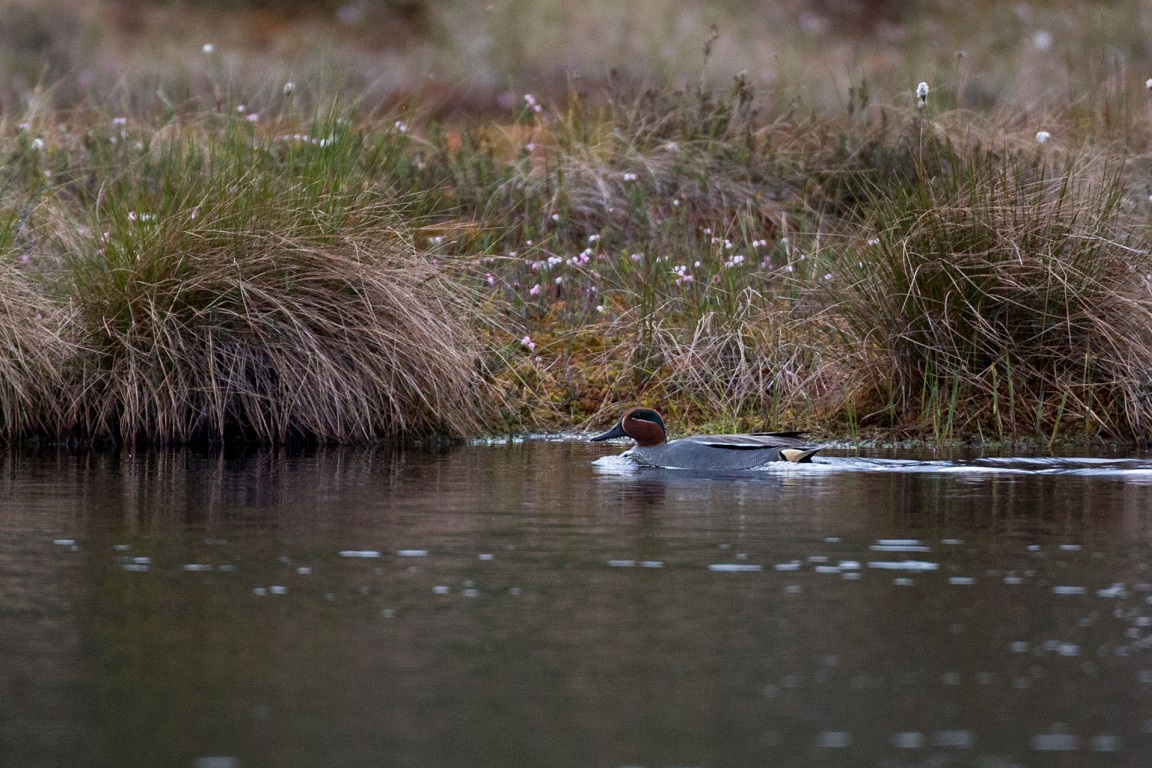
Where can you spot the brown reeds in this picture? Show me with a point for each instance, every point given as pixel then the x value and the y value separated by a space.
pixel 1006 298
pixel 268 293
pixel 32 355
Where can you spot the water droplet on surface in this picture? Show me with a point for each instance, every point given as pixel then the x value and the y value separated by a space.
pixel 904 565
pixel 909 740
pixel 956 739
pixel 216 761
pixel 1105 743
pixel 834 740
pixel 1055 742
pixel 899 545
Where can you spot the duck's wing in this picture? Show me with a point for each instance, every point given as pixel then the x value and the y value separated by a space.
pixel 752 442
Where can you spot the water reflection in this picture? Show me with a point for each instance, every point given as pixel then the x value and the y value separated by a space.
pixel 523 605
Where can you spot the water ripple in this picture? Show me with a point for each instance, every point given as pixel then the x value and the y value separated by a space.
pixel 1127 470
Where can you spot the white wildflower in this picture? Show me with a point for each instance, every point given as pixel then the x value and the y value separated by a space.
pixel 208 48
pixel 1042 136
pixel 289 88
pixel 922 95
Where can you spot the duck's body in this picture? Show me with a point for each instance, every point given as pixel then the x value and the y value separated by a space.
pixel 710 453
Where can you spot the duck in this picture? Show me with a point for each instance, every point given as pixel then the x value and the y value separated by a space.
pixel 705 452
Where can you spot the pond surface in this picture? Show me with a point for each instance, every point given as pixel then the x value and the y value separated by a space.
pixel 540 604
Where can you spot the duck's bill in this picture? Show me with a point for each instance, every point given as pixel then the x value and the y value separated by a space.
pixel 616 431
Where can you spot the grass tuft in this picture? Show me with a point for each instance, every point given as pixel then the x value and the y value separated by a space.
pixel 1003 297
pixel 237 286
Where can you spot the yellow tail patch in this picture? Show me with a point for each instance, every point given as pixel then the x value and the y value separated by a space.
pixel 798 455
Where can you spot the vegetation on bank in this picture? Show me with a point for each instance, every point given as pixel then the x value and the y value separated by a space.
pixel 319 269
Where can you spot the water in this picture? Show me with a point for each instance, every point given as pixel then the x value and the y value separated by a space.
pixel 533 604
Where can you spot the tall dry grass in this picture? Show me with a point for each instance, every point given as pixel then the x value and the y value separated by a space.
pixel 732 255
pixel 263 288
pixel 33 352
pixel 1002 294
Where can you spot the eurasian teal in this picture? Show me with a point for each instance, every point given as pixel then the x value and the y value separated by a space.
pixel 712 453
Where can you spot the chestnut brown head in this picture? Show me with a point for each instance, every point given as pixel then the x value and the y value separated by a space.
pixel 643 425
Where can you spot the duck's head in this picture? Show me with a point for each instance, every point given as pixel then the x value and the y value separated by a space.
pixel 643 425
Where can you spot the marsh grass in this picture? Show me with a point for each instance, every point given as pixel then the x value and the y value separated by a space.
pixel 922 273
pixel 32 356
pixel 1000 294
pixel 204 272
pixel 241 286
